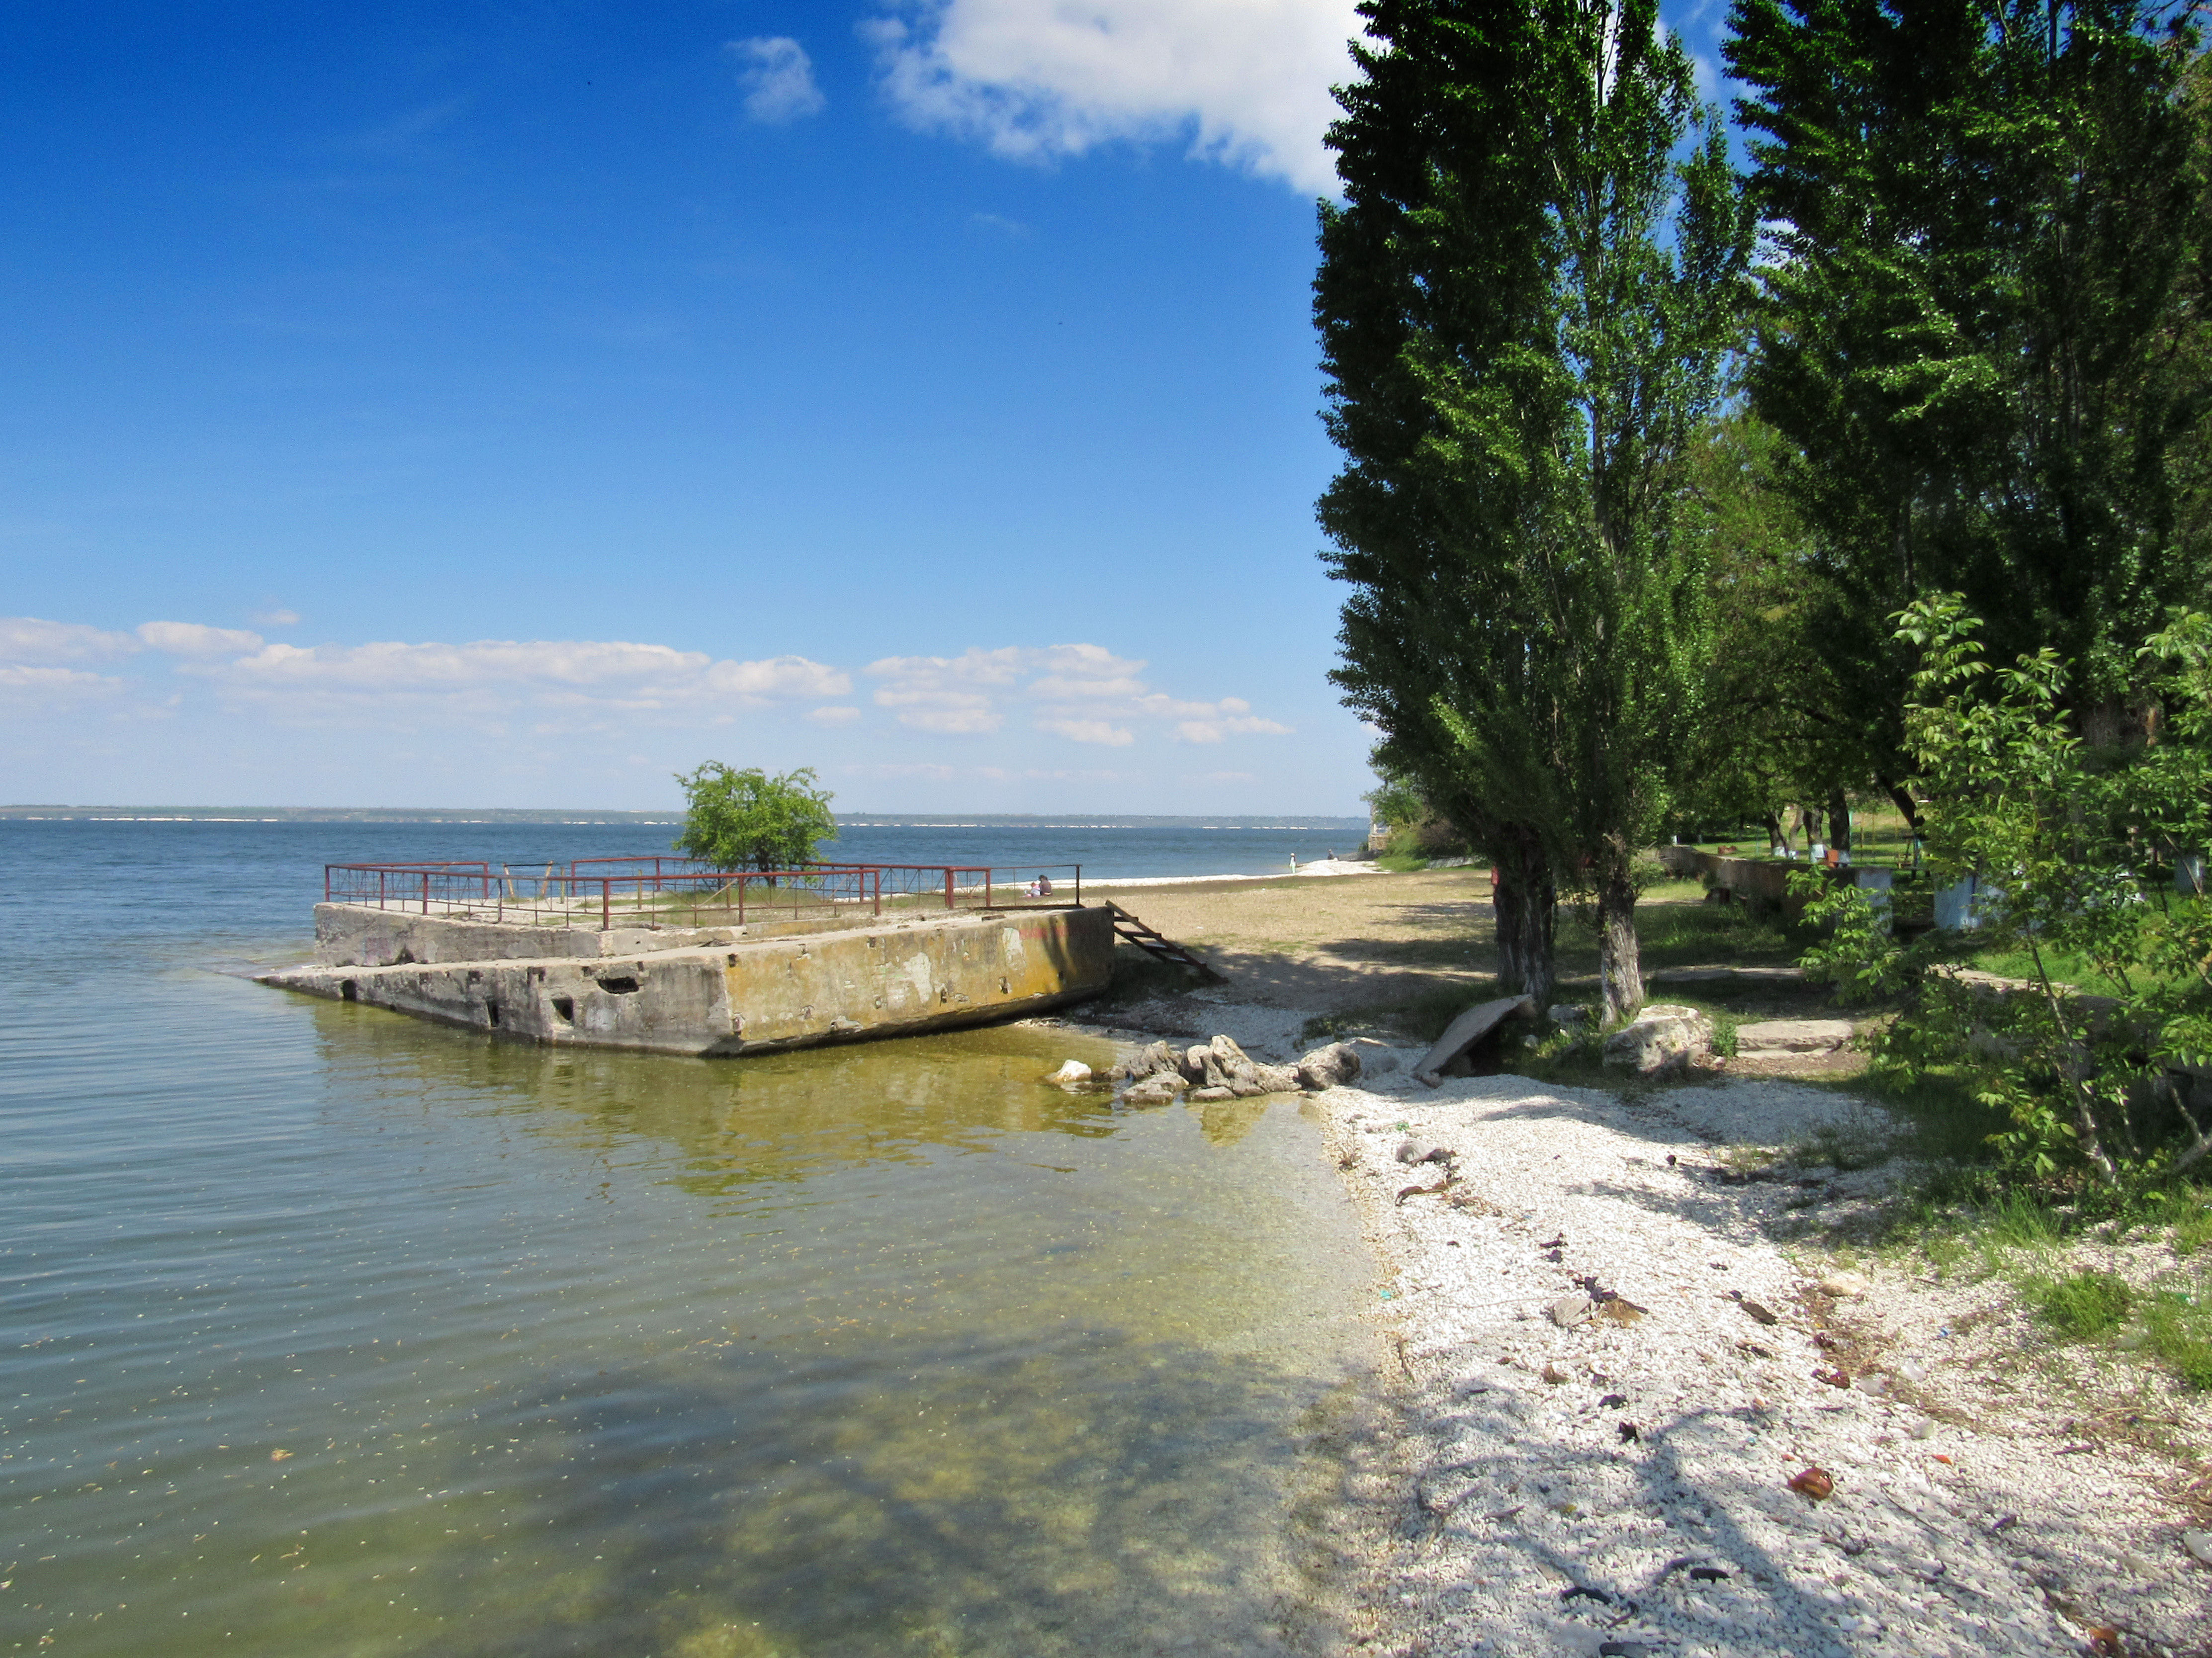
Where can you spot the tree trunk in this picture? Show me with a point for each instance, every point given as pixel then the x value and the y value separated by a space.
pixel 1839 821
pixel 1526 904
pixel 1774 833
pixel 1619 968
pixel 1905 804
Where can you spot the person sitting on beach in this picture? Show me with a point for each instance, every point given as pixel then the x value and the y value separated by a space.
pixel 1044 886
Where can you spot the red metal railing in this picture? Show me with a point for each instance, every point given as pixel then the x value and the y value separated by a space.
pixel 656 892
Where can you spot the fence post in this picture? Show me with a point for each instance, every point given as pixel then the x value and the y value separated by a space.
pixel 607 903
pixel 1078 886
pixel 426 892
pixel 948 888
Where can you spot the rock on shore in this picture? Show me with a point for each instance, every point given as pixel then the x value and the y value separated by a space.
pixel 1221 1069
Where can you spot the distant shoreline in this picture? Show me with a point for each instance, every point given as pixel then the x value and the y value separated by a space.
pixel 1318 823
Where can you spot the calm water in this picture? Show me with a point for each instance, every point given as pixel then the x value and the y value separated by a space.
pixel 332 1333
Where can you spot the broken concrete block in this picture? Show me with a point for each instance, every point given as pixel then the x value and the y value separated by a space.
pixel 1663 1037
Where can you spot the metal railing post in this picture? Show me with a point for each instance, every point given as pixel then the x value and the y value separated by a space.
pixel 607 903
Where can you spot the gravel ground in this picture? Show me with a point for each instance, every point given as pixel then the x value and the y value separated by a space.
pixel 1621 1485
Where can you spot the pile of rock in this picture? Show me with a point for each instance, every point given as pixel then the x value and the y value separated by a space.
pixel 1220 1070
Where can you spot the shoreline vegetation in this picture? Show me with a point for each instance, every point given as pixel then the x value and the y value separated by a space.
pixel 1743 1361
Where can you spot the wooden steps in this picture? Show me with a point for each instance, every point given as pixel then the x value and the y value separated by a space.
pixel 1127 926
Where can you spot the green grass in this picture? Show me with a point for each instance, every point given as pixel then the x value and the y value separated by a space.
pixel 2193 1230
pixel 1949 1128
pixel 2178 1326
pixel 2082 1306
pixel 2019 1220
pixel 1402 863
pixel 2066 969
pixel 1674 929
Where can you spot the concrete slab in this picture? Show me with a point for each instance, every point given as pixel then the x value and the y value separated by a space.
pixel 752 996
pixel 1470 1028
pixel 1792 1036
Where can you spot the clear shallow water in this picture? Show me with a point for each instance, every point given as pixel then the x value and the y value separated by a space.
pixel 331 1331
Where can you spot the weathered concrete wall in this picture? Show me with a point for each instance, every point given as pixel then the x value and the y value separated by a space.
pixel 352 935
pixel 751 995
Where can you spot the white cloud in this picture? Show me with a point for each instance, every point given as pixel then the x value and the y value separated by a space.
pixel 1090 731
pixel 20 685
pixel 977 720
pixel 1084 693
pixel 195 639
pixel 778 77
pixel 1079 692
pixel 488 679
pixel 26 640
pixel 1247 81
pixel 279 617
pixel 940 774
pixel 1231 717
pixel 778 677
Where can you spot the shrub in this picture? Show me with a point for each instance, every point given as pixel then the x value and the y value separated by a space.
pixel 2077 849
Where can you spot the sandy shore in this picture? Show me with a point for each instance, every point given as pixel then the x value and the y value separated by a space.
pixel 1614 1354
pixel 1317 867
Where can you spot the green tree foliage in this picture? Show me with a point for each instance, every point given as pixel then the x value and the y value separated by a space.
pixel 1524 302
pixel 1395 801
pixel 2078 846
pixel 1776 732
pixel 1983 330
pixel 749 820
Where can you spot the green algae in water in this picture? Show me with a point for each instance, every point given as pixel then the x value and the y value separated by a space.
pixel 497 1349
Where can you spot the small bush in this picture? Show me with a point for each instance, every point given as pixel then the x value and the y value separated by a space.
pixel 2193 1230
pixel 1724 1026
pixel 2084 1306
pixel 2017 1221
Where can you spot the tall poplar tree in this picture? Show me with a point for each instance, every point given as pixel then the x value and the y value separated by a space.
pixel 1982 337
pixel 1523 301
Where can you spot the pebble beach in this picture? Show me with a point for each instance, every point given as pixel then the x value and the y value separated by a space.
pixel 1613 1373
pixel 1640 1397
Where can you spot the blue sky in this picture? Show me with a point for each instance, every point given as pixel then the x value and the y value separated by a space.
pixel 511 405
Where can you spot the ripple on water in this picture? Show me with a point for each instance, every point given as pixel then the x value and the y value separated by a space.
pixel 337 1332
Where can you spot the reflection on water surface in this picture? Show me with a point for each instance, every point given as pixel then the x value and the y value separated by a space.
pixel 337 1332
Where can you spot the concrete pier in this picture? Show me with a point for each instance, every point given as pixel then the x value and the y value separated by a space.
pixel 709 991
